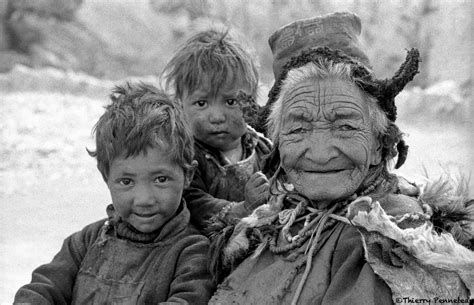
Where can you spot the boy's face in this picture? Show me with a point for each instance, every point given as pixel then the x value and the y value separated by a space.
pixel 146 189
pixel 216 119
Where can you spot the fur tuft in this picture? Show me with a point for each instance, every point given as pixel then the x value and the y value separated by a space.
pixel 231 243
pixel 238 243
pixel 219 231
pixel 453 212
pixel 263 215
pixel 261 247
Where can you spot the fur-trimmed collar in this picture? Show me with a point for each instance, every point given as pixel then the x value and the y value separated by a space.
pixel 445 242
pixel 441 206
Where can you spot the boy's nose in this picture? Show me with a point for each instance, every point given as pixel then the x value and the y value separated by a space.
pixel 216 115
pixel 143 195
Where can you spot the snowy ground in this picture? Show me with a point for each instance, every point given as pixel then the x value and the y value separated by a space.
pixel 50 187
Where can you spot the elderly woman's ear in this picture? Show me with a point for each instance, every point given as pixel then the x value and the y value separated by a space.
pixel 272 161
pixel 376 156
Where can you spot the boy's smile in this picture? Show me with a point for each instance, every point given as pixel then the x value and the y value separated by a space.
pixel 146 189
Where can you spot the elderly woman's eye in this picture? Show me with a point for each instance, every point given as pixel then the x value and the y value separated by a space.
pixel 347 127
pixel 297 130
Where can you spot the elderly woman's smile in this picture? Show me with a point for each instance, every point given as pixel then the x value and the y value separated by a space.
pixel 327 144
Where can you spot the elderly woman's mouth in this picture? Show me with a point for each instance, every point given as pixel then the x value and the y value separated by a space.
pixel 326 171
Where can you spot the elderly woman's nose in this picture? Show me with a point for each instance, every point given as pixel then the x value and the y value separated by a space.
pixel 320 148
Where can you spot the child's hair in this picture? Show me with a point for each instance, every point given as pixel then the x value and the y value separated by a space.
pixel 212 55
pixel 140 117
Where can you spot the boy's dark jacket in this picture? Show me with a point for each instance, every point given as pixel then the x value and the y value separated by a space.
pixel 216 182
pixel 116 264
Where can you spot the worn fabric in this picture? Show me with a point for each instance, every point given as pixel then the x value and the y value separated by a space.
pixel 416 262
pixel 339 275
pixel 340 30
pixel 409 277
pixel 113 264
pixel 389 251
pixel 216 182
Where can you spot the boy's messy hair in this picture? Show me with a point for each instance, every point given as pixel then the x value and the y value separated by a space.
pixel 212 55
pixel 140 117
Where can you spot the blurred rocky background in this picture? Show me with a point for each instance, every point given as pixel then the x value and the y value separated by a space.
pixel 116 39
pixel 60 58
pixel 82 45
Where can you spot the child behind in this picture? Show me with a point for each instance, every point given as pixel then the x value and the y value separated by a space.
pixel 216 80
pixel 145 251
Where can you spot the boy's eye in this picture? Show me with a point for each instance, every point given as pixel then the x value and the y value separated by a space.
pixel 200 103
pixel 231 102
pixel 161 179
pixel 125 181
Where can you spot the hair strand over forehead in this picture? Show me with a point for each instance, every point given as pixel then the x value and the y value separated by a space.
pixel 139 117
pixel 210 56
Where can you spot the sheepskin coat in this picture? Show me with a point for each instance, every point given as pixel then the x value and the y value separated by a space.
pixel 386 249
pixel 340 275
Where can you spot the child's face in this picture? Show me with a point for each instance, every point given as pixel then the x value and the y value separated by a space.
pixel 216 120
pixel 146 189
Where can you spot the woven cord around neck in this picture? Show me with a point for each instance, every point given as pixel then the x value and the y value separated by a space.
pixel 309 258
pixel 378 179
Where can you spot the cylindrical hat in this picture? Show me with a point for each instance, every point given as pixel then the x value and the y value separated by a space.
pixel 339 30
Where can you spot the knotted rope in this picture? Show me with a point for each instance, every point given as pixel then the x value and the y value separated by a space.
pixel 320 226
pixel 287 218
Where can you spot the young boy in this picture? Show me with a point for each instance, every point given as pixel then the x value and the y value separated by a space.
pixel 216 81
pixel 145 252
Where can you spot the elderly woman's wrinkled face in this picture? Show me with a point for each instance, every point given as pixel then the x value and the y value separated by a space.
pixel 326 140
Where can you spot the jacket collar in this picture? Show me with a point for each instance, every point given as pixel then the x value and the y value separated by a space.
pixel 172 228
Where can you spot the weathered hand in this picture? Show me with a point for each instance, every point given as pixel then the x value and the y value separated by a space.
pixel 256 191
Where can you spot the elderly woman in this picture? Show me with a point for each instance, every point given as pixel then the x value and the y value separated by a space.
pixel 338 227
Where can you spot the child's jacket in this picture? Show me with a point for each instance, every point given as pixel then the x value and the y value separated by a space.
pixel 114 264
pixel 216 183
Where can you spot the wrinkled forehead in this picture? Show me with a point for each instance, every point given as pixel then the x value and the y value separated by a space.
pixel 327 96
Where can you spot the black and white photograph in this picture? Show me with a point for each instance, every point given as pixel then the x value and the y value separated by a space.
pixel 237 152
